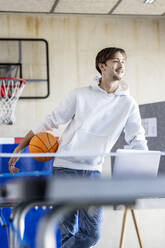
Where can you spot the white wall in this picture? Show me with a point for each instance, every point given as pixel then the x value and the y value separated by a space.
pixel 73 44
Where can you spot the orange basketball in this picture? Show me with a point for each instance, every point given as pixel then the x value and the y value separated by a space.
pixel 43 143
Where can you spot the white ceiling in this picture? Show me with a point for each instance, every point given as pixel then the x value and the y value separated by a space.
pixel 106 7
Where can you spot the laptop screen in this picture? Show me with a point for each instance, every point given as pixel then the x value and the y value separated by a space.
pixel 136 163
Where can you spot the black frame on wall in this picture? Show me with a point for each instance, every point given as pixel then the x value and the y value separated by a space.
pixel 20 66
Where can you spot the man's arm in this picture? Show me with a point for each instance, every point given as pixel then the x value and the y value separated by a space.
pixel 60 115
pixel 24 143
pixel 134 132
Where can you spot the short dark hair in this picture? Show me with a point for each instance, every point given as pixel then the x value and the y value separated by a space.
pixel 106 54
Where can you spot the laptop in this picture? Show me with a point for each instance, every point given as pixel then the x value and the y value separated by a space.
pixel 136 163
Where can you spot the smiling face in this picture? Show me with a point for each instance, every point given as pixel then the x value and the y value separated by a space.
pixel 114 69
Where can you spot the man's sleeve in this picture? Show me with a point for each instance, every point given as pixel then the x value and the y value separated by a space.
pixel 134 132
pixel 60 115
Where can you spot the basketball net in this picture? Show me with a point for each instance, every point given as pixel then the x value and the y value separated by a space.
pixel 10 90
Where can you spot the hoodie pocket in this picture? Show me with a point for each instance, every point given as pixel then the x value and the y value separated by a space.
pixel 86 143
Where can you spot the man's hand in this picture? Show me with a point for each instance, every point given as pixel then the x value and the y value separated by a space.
pixel 12 163
pixel 24 143
pixel 13 169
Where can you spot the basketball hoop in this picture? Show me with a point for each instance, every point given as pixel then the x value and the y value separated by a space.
pixel 10 90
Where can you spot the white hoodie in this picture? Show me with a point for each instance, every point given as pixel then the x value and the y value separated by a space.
pixel 96 120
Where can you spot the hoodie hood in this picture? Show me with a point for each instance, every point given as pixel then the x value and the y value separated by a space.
pixel 122 90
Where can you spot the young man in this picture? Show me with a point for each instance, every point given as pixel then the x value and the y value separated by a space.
pixel 97 114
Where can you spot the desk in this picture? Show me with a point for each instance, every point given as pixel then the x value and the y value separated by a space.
pixel 29 192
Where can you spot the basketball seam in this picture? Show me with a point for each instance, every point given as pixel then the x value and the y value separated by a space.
pixel 37 147
pixel 49 140
pixel 42 141
pixel 53 146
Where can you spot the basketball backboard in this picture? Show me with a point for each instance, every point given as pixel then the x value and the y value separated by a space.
pixel 27 59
